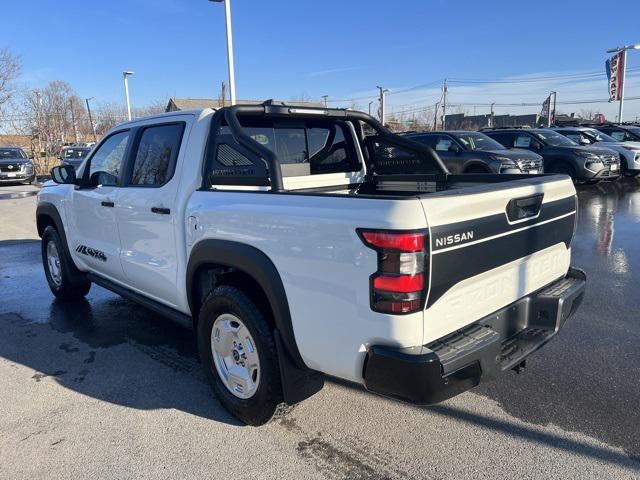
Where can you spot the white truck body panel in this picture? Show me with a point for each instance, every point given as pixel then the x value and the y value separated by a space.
pixel 311 239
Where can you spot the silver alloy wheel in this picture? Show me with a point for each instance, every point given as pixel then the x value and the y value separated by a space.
pixel 53 260
pixel 235 356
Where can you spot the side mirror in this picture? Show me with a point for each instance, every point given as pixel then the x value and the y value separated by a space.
pixel 453 148
pixel 63 174
pixel 536 145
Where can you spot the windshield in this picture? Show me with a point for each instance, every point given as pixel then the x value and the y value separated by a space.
pixel 76 152
pixel 599 136
pixel 554 139
pixel 7 153
pixel 634 130
pixel 478 141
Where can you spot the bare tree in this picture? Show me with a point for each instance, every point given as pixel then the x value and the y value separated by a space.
pixel 588 114
pixel 10 67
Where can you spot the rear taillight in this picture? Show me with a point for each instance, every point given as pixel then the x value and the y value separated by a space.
pixel 400 283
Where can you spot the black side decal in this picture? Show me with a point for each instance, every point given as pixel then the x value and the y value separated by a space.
pixel 444 236
pixel 450 267
pixel 92 252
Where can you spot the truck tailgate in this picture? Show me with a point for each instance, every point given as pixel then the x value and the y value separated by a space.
pixel 493 244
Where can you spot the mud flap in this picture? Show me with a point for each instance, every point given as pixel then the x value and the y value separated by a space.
pixel 297 384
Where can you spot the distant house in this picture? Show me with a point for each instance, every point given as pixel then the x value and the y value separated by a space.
pixel 177 104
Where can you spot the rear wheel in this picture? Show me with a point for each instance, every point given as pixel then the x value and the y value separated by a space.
pixel 238 352
pixel 65 280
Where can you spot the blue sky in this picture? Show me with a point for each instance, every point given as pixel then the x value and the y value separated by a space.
pixel 285 48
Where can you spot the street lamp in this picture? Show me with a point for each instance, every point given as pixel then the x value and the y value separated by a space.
pixel 93 127
pixel 624 72
pixel 125 75
pixel 232 75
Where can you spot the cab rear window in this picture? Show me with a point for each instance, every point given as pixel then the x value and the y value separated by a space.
pixel 302 147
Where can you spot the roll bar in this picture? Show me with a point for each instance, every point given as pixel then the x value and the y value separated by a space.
pixel 271 109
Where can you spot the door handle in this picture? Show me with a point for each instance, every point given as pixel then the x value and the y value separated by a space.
pixel 107 204
pixel 161 210
pixel 527 207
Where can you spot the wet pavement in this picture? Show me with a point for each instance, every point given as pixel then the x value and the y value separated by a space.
pixel 104 382
pixel 588 379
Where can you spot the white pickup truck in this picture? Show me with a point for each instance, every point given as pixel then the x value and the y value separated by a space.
pixel 302 242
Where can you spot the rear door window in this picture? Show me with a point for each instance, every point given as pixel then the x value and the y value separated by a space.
pixel 444 143
pixel 156 155
pixel 523 140
pixel 505 138
pixel 429 140
pixel 619 135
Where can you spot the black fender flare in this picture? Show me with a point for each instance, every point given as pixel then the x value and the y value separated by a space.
pixel 255 263
pixel 47 209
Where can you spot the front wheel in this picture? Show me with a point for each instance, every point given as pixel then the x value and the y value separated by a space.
pixel 238 352
pixel 65 280
pixel 564 169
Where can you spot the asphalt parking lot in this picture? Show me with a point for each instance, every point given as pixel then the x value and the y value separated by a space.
pixel 106 389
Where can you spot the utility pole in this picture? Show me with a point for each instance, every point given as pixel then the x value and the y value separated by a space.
pixel 324 97
pixel 444 105
pixel 223 94
pixel 382 92
pixel 73 121
pixel 491 116
pixel 553 111
pixel 435 116
pixel 38 121
pixel 93 127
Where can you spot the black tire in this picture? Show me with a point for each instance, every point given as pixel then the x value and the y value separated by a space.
pixel 261 407
pixel 72 284
pixel 564 169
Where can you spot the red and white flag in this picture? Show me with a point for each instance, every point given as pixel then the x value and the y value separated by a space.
pixel 615 67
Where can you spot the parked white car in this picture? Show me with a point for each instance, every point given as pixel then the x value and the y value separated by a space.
pixel 629 152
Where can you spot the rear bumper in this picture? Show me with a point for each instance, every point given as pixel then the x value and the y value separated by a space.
pixel 460 361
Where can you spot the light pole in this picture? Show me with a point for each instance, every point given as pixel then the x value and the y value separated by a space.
pixel 126 75
pixel 93 127
pixel 324 97
pixel 232 75
pixel 370 107
pixel 624 72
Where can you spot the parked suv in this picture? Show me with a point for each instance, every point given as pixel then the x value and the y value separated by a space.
pixel 561 155
pixel 629 152
pixel 620 133
pixel 474 152
pixel 74 156
pixel 15 166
